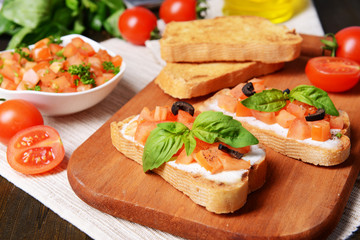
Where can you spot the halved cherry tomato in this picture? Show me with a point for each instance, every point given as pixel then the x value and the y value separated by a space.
pixel 136 24
pixel 16 115
pixel 178 10
pixel 333 74
pixel 35 150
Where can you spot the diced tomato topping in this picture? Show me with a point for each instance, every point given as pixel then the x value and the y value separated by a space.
pixel 55 48
pixel 299 129
pixel 41 65
pixel 259 84
pixel 8 84
pixel 284 118
pixel 227 102
pixel 42 54
pixel 87 50
pixel 320 130
pixel 266 117
pixel 160 113
pixel 230 163
pixel 143 131
pixel 182 158
pixel 77 42
pixel 209 160
pixel 10 72
pixel 242 111
pixel 336 122
pixel 185 118
pixel 30 78
pixel 42 43
pixel 237 92
pixel 117 60
pixel 70 50
pixel 299 109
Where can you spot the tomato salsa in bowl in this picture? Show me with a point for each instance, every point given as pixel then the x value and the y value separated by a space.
pixel 60 78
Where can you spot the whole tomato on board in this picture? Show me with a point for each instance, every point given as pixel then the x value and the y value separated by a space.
pixel 178 10
pixel 35 150
pixel 333 74
pixel 345 43
pixel 136 25
pixel 16 115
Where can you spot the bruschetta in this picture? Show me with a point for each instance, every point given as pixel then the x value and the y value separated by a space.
pixel 208 156
pixel 302 123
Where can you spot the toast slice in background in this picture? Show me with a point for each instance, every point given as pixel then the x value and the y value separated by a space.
pixel 230 38
pixel 187 80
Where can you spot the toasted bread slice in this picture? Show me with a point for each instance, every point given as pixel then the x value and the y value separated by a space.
pixel 215 195
pixel 231 38
pixel 332 152
pixel 187 80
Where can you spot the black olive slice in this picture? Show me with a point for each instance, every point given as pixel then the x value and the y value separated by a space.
pixel 248 89
pixel 287 91
pixel 187 107
pixel 232 153
pixel 320 114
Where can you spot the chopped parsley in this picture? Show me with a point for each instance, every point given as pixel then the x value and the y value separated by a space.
pixel 23 54
pixel 338 135
pixel 1 79
pixel 55 39
pixel 109 66
pixel 36 88
pixel 83 72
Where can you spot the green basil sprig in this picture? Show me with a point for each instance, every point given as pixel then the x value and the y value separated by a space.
pixel 165 140
pixel 273 100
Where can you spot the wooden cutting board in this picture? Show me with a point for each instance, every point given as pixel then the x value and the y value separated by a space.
pixel 298 200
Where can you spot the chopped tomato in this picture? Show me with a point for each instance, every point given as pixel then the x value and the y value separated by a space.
pixel 237 92
pixel 284 118
pixel 185 118
pixel 42 43
pixel 70 50
pixel 41 65
pixel 242 111
pixel 296 108
pixel 320 130
pixel 86 49
pixel 230 163
pixel 209 160
pixel 299 129
pixel 266 117
pixel 161 113
pixel 77 42
pixel 117 60
pixel 55 48
pixel 143 131
pixel 183 158
pixel 336 122
pixel 42 54
pixel 35 150
pixel 259 84
pixel 227 102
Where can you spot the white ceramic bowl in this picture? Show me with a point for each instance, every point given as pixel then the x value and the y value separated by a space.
pixel 57 104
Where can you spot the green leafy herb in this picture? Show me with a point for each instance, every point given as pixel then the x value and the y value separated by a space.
pixel 23 54
pixel 1 79
pixel 83 72
pixel 266 101
pixel 109 67
pixel 55 39
pixel 273 100
pixel 338 135
pixel 315 97
pixel 164 141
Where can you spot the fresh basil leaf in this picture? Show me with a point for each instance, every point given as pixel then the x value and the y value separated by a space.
pixel 189 142
pixel 315 97
pixel 266 101
pixel 72 4
pixel 89 4
pixel 115 5
pixel 160 146
pixel 111 23
pixel 213 126
pixel 28 14
pixel 173 127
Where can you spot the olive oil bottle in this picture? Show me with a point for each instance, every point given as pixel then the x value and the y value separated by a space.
pixel 276 11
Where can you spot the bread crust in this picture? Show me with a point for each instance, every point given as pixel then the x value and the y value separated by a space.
pixel 230 38
pixel 294 148
pixel 187 80
pixel 215 197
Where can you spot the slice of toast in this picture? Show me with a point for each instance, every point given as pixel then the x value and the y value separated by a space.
pixel 231 38
pixel 315 152
pixel 187 80
pixel 215 196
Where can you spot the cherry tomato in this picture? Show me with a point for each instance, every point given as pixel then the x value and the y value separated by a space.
pixel 136 25
pixel 333 74
pixel 16 115
pixel 178 10
pixel 348 40
pixel 35 150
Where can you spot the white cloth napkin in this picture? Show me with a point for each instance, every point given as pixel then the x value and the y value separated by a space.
pixel 54 191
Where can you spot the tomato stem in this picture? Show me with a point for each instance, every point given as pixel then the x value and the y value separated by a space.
pixel 2 99
pixel 330 45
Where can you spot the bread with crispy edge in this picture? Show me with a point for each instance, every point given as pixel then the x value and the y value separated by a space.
pixel 187 80
pixel 293 148
pixel 230 38
pixel 215 197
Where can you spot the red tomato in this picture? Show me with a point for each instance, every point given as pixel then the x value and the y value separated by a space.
pixel 178 10
pixel 333 74
pixel 136 25
pixel 16 115
pixel 35 150
pixel 348 40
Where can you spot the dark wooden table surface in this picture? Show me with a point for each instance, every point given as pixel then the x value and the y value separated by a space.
pixel 23 217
